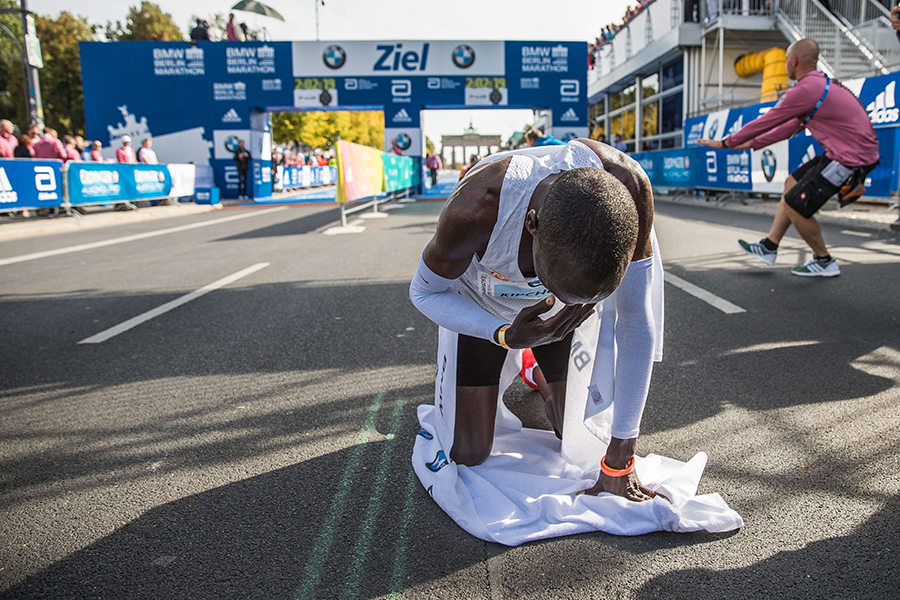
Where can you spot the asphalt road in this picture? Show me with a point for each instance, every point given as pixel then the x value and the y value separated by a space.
pixel 255 441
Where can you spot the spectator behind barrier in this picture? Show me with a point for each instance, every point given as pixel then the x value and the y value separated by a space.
pixel 200 33
pixel 49 146
pixel 231 30
pixel 95 151
pixel 125 153
pixel 24 149
pixel 145 154
pixel 71 152
pixel 7 134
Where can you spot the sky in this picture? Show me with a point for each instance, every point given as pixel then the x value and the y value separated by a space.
pixel 397 20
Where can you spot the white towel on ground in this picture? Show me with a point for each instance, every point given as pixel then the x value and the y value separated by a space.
pixel 526 490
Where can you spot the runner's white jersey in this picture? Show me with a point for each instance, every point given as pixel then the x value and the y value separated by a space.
pixel 495 282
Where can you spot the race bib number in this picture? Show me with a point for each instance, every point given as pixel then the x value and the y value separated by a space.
pixel 836 173
pixel 492 286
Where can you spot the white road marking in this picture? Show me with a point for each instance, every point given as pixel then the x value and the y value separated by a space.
pixel 164 308
pixel 724 305
pixel 132 238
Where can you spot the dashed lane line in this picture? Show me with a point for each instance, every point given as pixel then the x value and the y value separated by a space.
pixel 697 292
pixel 132 238
pixel 160 310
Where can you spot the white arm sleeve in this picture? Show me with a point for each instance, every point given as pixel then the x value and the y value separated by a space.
pixel 436 298
pixel 636 344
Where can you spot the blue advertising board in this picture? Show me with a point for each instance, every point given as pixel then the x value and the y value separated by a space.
pixel 670 168
pixel 101 183
pixel 26 184
pixel 197 101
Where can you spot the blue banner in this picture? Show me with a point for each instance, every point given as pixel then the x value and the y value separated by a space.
pixel 197 101
pixel 100 183
pixel 670 168
pixel 26 183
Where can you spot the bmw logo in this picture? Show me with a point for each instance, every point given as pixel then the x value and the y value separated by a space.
pixel 403 141
pixel 496 97
pixel 463 56
pixel 325 98
pixel 231 143
pixel 769 164
pixel 713 129
pixel 334 57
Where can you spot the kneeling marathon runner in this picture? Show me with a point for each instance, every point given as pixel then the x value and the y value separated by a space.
pixel 550 248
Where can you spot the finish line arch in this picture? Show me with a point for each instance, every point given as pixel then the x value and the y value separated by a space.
pixel 194 101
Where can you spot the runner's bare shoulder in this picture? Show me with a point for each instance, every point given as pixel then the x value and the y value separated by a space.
pixel 469 216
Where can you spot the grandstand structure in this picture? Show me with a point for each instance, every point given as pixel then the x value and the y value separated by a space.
pixel 676 59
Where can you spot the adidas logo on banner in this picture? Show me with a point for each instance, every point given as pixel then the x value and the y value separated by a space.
pixel 402 117
pixel 231 117
pixel 808 155
pixel 883 109
pixel 569 115
pixel 736 126
pixel 7 194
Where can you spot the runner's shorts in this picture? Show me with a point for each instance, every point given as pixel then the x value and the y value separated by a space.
pixel 818 180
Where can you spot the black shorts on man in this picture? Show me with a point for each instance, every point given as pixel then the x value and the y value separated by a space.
pixel 817 181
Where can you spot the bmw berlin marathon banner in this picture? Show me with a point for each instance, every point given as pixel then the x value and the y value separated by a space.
pixel 767 169
pixel 198 102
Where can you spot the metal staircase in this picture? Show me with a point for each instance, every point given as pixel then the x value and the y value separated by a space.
pixel 855 36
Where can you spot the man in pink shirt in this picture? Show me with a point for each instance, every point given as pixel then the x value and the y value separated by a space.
pixel 837 120
pixel 125 153
pixel 7 135
pixel 49 146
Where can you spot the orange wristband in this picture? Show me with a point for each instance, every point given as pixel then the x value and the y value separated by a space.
pixel 629 467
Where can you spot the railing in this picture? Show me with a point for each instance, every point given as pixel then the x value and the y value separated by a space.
pixel 856 12
pixel 710 10
pixel 652 23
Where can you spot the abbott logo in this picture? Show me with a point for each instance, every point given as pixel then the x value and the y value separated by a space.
pixel 569 87
pixel 401 87
pixel 711 166
pixel 883 109
pixel 45 183
pixel 7 194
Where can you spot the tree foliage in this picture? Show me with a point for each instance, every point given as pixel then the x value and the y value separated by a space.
pixel 62 96
pixel 145 22
pixel 12 100
pixel 320 131
pixel 429 145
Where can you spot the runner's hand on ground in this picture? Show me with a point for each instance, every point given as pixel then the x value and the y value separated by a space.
pixel 627 486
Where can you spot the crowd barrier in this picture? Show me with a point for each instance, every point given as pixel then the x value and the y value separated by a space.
pixel 28 184
pixel 765 170
pixel 36 183
pixel 304 176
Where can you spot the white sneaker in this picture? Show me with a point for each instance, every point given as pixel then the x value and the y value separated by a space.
pixel 757 250
pixel 817 268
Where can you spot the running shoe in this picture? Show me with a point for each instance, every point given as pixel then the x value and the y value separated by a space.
pixel 528 365
pixel 818 268
pixel 757 250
